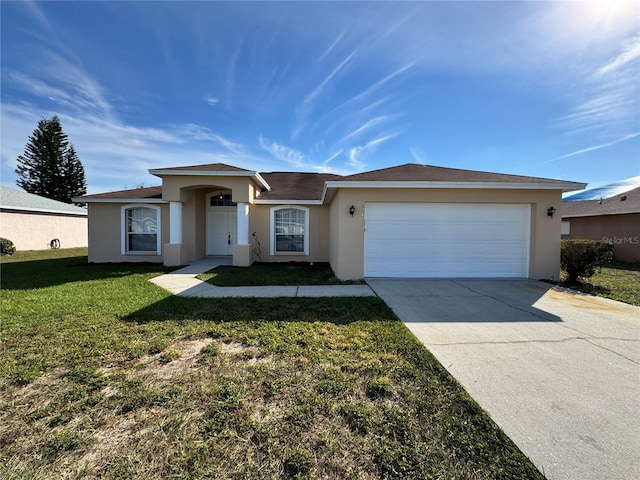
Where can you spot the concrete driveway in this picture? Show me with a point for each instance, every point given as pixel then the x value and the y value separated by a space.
pixel 558 371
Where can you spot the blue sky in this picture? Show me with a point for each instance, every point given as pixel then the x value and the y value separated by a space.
pixel 548 89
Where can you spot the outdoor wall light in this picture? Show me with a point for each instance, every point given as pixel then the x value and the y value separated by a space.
pixel 551 211
pixel 352 210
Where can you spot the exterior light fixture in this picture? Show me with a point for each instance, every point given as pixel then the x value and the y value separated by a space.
pixel 551 211
pixel 352 210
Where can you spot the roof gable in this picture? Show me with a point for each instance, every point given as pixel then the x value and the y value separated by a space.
pixel 413 172
pixel 208 167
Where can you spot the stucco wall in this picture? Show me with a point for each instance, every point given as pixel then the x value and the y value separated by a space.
pixel 347 246
pixel 175 188
pixel 621 230
pixel 34 231
pixel 259 222
pixel 105 234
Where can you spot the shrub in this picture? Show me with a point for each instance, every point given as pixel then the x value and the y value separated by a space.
pixel 7 247
pixel 581 258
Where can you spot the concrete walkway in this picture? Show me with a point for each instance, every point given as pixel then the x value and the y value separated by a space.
pixel 183 282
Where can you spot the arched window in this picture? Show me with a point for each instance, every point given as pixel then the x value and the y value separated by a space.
pixel 289 231
pixel 141 229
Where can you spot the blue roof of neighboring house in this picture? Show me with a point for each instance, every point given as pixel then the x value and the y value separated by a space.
pixel 606 191
pixel 11 199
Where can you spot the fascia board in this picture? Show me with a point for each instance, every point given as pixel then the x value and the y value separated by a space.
pixel 566 187
pixel 288 202
pixel 118 200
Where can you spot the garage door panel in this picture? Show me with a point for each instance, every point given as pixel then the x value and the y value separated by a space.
pixel 446 240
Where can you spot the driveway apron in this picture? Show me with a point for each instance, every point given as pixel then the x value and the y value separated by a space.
pixel 559 371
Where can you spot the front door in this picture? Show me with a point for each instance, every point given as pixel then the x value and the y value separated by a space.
pixel 221 232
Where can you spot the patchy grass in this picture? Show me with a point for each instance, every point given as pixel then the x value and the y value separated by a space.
pixel 291 273
pixel 618 281
pixel 105 375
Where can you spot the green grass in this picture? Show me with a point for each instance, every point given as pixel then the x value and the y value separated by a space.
pixel 291 273
pixel 618 281
pixel 105 375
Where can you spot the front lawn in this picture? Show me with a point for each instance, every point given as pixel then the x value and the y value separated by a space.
pixel 291 273
pixel 105 375
pixel 618 281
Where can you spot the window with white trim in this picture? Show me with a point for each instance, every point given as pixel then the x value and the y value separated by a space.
pixel 289 230
pixel 141 229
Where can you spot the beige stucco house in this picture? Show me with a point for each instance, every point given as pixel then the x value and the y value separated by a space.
pixel 32 222
pixel 405 221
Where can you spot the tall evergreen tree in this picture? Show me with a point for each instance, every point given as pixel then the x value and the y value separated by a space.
pixel 50 166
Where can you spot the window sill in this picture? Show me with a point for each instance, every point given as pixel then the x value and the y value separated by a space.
pixel 142 253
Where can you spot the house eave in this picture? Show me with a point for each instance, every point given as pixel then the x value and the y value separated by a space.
pixel 208 173
pixel 330 187
pixel 118 200
pixel 598 214
pixel 6 208
pixel 288 202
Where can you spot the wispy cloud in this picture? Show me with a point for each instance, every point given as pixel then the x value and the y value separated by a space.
pixel 376 86
pixel 283 153
pixel 355 153
pixel 418 155
pixel 595 147
pixel 310 98
pixel 630 52
pixel 609 98
pixel 213 101
pixel 330 47
pixel 367 126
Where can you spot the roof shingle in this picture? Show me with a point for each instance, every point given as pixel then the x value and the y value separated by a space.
pixel 11 199
pixel 413 172
pixel 608 206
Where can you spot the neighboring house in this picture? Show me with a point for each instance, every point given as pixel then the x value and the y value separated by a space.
pixel 31 222
pixel 405 221
pixel 610 213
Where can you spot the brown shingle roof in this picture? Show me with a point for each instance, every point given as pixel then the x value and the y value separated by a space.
pixel 135 193
pixel 208 167
pixel 608 206
pixel 295 186
pixel 429 173
pixel 309 186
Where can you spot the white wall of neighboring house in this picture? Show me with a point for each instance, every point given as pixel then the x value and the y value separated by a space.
pixel 35 230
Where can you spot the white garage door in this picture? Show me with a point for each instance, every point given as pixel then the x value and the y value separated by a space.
pixel 423 240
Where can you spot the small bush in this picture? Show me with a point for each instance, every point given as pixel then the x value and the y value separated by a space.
pixel 581 258
pixel 7 247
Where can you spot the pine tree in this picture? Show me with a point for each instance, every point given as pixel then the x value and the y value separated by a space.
pixel 50 166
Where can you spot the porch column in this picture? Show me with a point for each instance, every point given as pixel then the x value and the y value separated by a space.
pixel 175 222
pixel 243 223
pixel 242 249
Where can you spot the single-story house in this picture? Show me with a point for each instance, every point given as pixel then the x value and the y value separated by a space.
pixel 31 222
pixel 615 219
pixel 405 221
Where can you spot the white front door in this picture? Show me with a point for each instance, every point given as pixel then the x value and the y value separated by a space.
pixel 222 232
